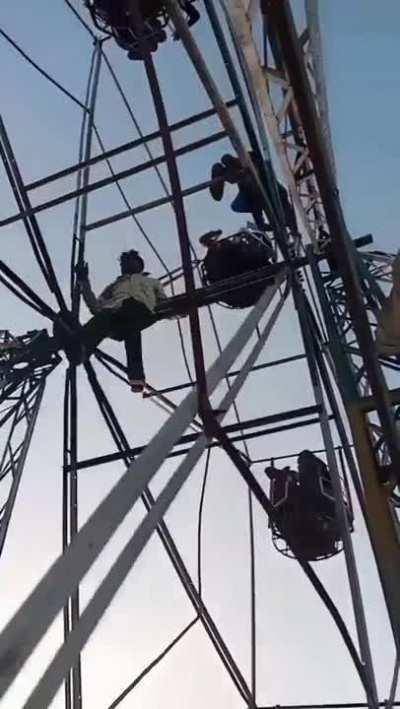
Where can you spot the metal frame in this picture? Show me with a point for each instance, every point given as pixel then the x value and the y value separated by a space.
pixel 299 129
pixel 21 408
pixel 18 641
pixel 21 394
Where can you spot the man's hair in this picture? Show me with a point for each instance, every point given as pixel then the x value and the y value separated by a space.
pixel 131 262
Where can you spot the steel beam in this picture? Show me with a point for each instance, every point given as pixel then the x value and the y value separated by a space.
pixel 104 182
pixel 125 147
pixel 29 624
pixel 305 412
pixel 234 373
pixel 28 398
pixel 280 14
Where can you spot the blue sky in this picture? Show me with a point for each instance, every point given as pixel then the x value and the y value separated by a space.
pixel 297 644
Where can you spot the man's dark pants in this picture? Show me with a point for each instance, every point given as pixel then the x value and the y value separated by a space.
pixel 125 323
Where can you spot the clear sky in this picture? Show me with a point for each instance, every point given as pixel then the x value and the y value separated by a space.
pixel 300 656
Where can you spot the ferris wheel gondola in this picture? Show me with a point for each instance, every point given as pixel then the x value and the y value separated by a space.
pixel 245 251
pixel 114 18
pixel 305 505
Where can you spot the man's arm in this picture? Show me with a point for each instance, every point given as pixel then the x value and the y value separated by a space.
pixel 160 292
pixel 89 297
pixel 82 274
pixel 161 296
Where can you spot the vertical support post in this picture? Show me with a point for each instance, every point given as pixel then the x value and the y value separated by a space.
pixel 180 215
pixel 31 413
pixel 73 525
pixel 194 595
pixel 65 528
pixel 211 88
pixel 341 512
pixel 265 503
pixel 73 682
pixel 86 169
pixel 280 13
pixel 380 523
pixel 233 77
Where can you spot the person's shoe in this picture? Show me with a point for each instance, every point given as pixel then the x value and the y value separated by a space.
pixel 217 181
pixel 137 385
pixel 209 237
pixel 193 15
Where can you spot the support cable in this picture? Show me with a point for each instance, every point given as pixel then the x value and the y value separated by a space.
pixel 65 526
pixel 200 523
pixel 115 367
pixel 80 19
pixel 153 664
pixel 393 689
pixel 80 242
pixel 134 121
pixel 28 296
pixel 253 620
pixel 41 71
pixel 29 624
pixel 75 222
pixel 32 227
pixel 265 503
pixel 169 545
pixel 311 347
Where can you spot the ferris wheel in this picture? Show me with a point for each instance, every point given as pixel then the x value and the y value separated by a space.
pixel 279 253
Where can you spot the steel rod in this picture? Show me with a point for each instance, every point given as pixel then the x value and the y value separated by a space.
pixel 31 418
pixel 31 225
pixel 64 658
pixel 23 632
pixel 81 237
pixel 231 428
pixel 105 181
pixel 266 505
pixel 341 512
pixel 256 368
pixel 130 145
pixel 212 90
pixel 343 705
pixel 180 215
pixel 183 451
pixel 375 499
pixel 170 547
pixel 280 13
pixel 79 247
pixel 65 527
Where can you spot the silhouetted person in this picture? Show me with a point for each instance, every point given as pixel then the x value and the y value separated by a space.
pixel 117 16
pixel 248 200
pixel 235 256
pixel 122 311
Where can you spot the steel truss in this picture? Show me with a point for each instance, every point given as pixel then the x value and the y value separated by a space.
pixel 21 393
pixel 295 119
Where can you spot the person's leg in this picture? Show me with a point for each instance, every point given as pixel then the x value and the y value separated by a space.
pixel 258 216
pixel 96 329
pixel 192 13
pixel 134 359
pixel 217 181
pixel 133 317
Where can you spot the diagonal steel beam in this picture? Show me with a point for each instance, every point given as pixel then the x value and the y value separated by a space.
pixel 29 624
